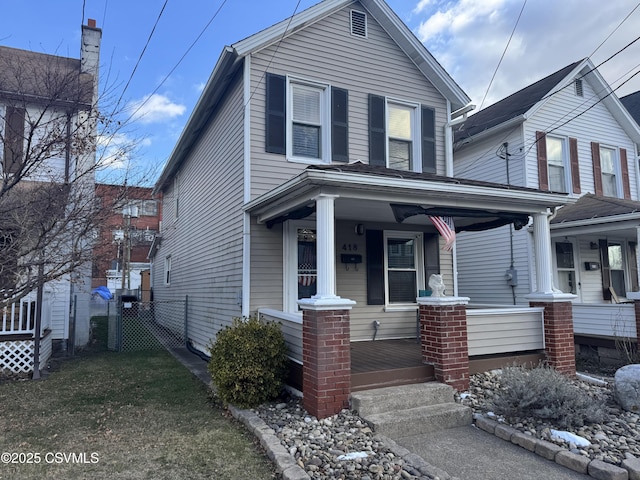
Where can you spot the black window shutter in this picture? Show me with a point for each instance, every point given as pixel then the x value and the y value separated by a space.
pixel 633 265
pixel 606 271
pixel 275 139
pixel 428 140
pixel 375 267
pixel 431 256
pixel 377 131
pixel 339 125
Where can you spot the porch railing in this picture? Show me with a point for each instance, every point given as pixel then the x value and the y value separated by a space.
pixel 605 320
pixel 504 330
pixel 291 329
pixel 18 317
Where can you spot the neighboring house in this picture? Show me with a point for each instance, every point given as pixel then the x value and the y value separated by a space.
pixel 42 97
pixel 301 188
pixel 567 133
pixel 131 224
pixel 632 103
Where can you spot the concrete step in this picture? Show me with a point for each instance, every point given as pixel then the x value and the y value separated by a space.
pixel 420 420
pixel 392 399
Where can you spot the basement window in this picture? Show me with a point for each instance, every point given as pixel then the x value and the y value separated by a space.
pixel 358 24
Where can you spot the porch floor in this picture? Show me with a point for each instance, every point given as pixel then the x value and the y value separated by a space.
pixel 384 363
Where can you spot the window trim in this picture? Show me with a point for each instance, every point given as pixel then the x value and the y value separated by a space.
pixel 566 166
pixel 325 121
pixel 416 135
pixel 419 266
pixel 167 270
pixel 616 167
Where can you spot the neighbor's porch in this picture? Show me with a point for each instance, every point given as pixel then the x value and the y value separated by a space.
pixel 17 335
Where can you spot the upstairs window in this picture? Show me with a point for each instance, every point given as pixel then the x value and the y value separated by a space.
pixel 13 140
pixel 608 166
pixel 401 135
pixel 305 120
pixel 556 158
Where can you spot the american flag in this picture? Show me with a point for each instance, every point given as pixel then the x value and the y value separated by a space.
pixel 446 229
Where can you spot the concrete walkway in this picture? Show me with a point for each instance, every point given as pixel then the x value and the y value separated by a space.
pixel 466 453
pixel 472 454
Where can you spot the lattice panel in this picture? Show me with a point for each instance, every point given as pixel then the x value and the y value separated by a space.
pixel 16 356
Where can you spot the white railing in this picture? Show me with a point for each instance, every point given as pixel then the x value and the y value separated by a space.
pixel 18 317
pixel 291 325
pixel 504 330
pixel 605 320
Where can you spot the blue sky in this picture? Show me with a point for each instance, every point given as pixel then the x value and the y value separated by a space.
pixel 467 37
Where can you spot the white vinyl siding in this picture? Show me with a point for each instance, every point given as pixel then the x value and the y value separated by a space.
pixel 206 244
pixel 320 52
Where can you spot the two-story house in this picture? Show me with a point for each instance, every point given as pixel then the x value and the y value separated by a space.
pixel 302 188
pixel 567 133
pixel 47 159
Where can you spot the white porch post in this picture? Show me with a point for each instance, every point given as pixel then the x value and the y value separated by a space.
pixel 325 244
pixel 325 296
pixel 542 245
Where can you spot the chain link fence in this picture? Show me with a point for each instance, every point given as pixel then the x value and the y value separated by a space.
pixel 135 326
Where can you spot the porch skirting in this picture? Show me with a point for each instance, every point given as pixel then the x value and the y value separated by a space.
pixel 16 352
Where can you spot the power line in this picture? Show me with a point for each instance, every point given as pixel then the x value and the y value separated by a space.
pixel 503 54
pixel 144 49
pixel 143 103
pixel 615 30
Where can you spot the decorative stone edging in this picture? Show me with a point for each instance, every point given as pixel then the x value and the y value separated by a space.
pixel 578 463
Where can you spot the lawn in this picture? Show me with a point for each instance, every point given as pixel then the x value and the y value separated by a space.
pixel 139 415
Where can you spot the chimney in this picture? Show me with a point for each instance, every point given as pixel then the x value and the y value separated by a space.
pixel 90 52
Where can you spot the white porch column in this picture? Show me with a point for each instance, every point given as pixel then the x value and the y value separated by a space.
pixel 326 246
pixel 325 296
pixel 542 245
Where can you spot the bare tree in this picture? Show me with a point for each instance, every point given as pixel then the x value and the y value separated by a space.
pixel 49 130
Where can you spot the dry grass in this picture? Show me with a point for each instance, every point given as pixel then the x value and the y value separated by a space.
pixel 142 415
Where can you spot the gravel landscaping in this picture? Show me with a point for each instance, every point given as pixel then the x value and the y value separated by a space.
pixel 340 447
pixel 611 441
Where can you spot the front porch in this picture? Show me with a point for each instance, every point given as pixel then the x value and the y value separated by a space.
pixel 498 336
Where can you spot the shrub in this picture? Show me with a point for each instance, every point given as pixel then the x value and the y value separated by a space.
pixel 545 394
pixel 248 362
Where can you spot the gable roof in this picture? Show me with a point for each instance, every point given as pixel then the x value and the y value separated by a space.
pixel 512 107
pixel 593 208
pixel 632 103
pixel 232 58
pixel 517 107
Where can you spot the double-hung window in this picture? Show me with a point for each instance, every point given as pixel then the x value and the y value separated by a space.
pixel 305 120
pixel 401 136
pixel 608 166
pixel 556 159
pixel 167 270
pixel 616 266
pixel 404 266
pixel 308 128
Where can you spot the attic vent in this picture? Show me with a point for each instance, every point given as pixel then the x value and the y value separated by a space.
pixel 358 24
pixel 579 91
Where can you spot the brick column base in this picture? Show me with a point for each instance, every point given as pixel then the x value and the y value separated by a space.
pixel 443 336
pixel 558 335
pixel 326 357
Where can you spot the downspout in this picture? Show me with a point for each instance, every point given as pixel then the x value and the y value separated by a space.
pixel 246 223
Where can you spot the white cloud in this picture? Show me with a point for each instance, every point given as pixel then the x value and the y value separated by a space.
pixel 468 37
pixel 155 108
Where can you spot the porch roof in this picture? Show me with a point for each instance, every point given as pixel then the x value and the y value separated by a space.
pixel 595 211
pixel 372 193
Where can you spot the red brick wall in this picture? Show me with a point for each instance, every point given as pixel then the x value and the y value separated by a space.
pixel 558 335
pixel 443 335
pixel 326 376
